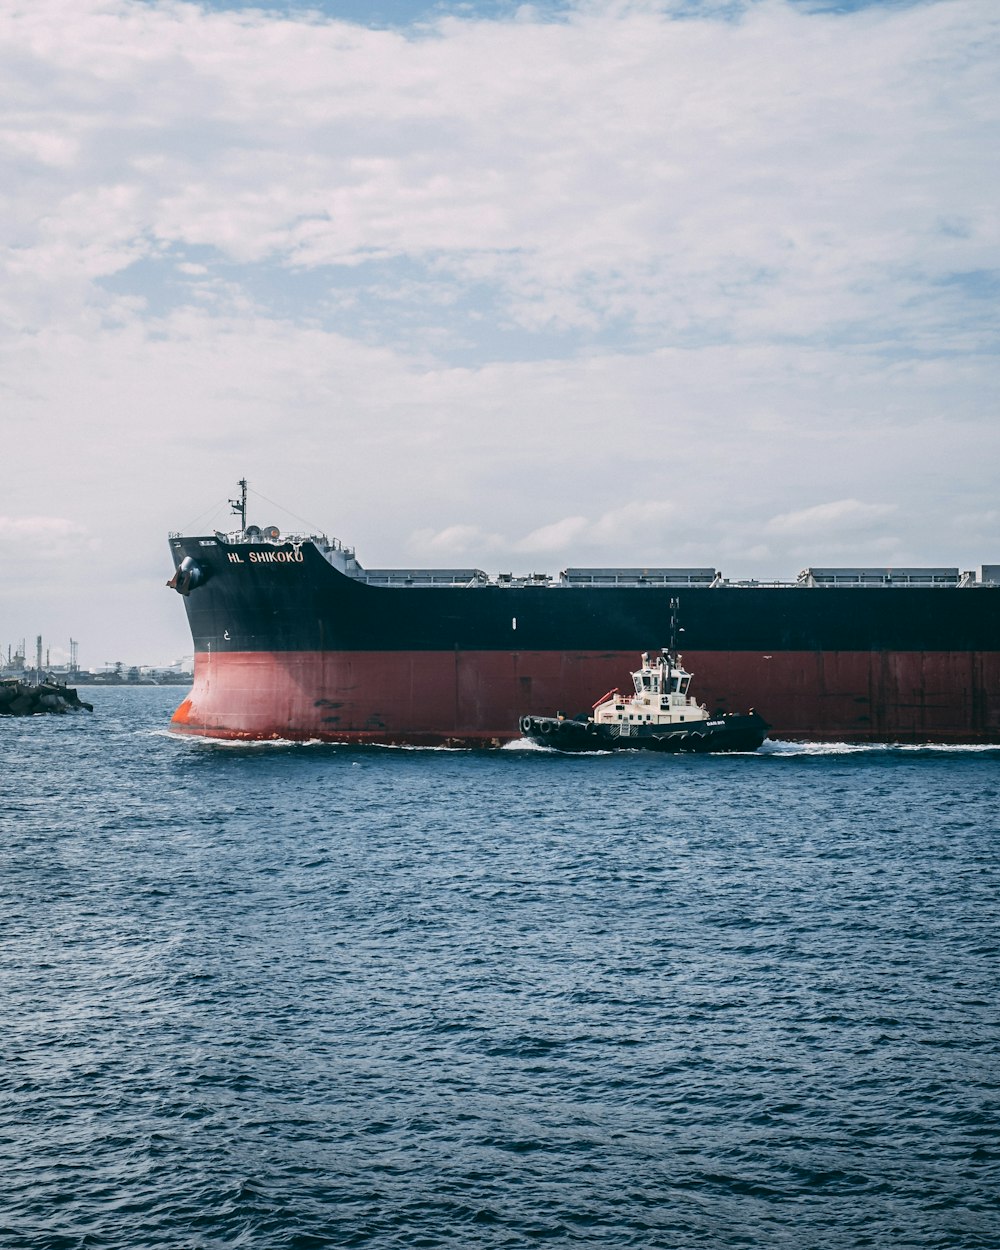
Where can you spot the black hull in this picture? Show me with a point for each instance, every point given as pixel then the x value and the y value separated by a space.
pixel 720 734
pixel 305 605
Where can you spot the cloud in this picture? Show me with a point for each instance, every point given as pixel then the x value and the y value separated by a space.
pixel 33 538
pixel 990 518
pixel 45 559
pixel 649 519
pixel 768 175
pixel 642 522
pixel 555 537
pixel 836 517
pixel 638 522
pixel 454 540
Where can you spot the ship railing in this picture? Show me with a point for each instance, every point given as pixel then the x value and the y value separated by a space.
pixel 874 578
pixel 753 583
pixel 423 577
pixel 280 539
pixel 524 579
pixel 985 575
pixel 639 577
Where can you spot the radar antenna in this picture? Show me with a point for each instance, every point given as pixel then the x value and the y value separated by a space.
pixel 672 648
pixel 239 506
pixel 670 651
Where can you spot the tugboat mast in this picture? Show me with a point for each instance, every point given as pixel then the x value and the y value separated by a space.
pixel 239 506
pixel 672 651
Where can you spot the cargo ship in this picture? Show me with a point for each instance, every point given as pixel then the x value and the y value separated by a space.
pixel 295 639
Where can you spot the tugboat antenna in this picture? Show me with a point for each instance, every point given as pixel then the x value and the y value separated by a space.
pixel 239 506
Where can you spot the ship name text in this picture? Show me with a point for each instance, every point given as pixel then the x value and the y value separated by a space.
pixel 267 557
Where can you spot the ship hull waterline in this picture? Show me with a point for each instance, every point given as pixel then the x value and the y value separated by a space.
pixel 473 698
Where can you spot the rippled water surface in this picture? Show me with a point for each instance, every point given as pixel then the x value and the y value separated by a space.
pixel 303 996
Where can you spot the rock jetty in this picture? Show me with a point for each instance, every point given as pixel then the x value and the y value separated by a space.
pixel 17 698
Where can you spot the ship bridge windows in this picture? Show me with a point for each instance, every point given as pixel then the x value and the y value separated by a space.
pixel 646 683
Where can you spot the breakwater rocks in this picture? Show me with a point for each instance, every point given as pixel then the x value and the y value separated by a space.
pixel 17 698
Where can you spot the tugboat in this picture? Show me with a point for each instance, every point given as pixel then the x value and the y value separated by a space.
pixel 660 716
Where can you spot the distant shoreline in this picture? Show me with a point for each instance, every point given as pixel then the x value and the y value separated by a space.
pixel 80 680
pixel 87 679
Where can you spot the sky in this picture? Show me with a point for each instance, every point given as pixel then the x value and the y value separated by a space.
pixel 515 286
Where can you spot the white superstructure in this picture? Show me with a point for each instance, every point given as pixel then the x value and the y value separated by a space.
pixel 661 697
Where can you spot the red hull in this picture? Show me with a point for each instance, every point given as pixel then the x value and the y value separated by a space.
pixel 475 698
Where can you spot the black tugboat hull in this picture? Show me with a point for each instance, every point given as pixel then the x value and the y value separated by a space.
pixel 721 733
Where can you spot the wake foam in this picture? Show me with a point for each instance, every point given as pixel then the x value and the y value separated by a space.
pixel 784 748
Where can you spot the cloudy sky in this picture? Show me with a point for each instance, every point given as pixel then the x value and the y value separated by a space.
pixel 521 286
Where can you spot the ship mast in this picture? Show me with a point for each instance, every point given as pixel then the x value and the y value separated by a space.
pixel 239 506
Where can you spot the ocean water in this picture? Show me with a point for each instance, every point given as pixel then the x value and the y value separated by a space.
pixel 307 996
